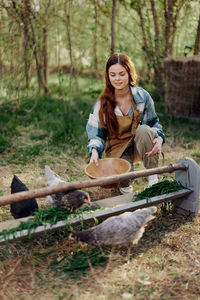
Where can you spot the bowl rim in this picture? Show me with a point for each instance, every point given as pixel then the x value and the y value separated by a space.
pixel 107 158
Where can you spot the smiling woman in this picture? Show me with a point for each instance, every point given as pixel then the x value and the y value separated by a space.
pixel 123 121
pixel 119 79
pixel 118 76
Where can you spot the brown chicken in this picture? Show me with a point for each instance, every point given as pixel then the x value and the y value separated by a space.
pixel 70 200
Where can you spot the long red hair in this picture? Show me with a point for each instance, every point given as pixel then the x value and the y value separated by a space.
pixel 107 116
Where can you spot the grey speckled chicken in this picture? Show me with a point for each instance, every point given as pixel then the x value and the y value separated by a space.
pixel 123 230
pixel 71 200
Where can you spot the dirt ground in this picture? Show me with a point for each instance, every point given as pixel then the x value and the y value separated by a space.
pixel 165 264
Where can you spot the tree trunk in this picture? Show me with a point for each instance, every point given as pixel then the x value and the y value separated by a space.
pixel 45 55
pixel 11 60
pixel 145 45
pixel 25 15
pixel 158 44
pixel 68 27
pixel 22 15
pixel 69 35
pixel 26 54
pixel 158 69
pixel 95 38
pixel 168 14
pixel 41 82
pixel 114 3
pixel 197 40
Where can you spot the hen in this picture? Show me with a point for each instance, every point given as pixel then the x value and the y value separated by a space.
pixel 23 208
pixel 123 230
pixel 71 200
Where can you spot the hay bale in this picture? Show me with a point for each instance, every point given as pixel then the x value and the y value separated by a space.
pixel 183 85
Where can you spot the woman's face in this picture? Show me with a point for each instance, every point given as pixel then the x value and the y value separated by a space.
pixel 118 76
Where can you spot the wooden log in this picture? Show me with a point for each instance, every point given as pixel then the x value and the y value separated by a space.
pixel 99 214
pixel 17 197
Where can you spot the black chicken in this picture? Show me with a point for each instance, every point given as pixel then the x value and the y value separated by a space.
pixel 23 208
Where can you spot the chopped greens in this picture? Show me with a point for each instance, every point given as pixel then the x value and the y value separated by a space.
pixel 160 188
pixel 45 216
pixel 80 261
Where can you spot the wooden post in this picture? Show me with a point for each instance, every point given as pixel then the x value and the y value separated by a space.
pixel 189 178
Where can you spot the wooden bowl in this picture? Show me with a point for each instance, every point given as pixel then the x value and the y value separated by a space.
pixel 107 167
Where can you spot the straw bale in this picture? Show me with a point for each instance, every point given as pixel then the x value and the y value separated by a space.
pixel 183 85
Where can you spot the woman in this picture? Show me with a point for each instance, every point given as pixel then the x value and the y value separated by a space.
pixel 123 121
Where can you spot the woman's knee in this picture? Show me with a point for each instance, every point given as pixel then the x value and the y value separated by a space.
pixel 144 131
pixel 144 139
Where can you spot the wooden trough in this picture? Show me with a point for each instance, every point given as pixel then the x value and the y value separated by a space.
pixel 186 201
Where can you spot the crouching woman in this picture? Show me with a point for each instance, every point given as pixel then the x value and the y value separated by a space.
pixel 123 122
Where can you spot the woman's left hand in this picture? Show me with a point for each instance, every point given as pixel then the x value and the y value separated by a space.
pixel 156 148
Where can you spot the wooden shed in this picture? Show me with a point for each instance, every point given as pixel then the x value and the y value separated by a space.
pixel 183 86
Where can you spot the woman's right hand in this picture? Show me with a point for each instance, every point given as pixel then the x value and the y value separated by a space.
pixel 95 156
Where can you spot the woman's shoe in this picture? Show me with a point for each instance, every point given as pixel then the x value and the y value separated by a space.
pixel 126 190
pixel 153 179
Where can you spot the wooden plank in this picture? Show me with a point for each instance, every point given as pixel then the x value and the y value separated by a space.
pixel 108 202
pixel 114 201
pixel 100 214
pixel 9 224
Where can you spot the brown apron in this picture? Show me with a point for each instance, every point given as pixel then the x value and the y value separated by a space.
pixel 116 144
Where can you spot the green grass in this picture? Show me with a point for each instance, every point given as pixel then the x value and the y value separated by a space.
pixel 47 123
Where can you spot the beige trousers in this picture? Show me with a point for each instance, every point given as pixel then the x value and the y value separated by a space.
pixel 142 143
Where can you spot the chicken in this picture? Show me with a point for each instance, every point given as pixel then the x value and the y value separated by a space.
pixel 53 179
pixel 123 230
pixel 71 200
pixel 23 208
